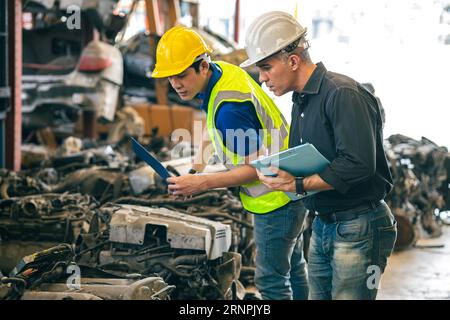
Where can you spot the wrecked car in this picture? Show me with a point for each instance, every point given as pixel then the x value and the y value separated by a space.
pixel 73 71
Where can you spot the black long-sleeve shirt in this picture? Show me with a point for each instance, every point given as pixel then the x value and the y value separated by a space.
pixel 343 121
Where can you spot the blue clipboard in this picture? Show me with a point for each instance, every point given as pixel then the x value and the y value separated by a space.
pixel 300 161
pixel 144 155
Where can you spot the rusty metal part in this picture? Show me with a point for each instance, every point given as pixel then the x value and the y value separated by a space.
pixel 420 186
pixel 95 181
pixel 151 288
pixel 47 217
pixel 14 184
pixel 210 196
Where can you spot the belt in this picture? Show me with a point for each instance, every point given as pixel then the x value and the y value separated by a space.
pixel 349 214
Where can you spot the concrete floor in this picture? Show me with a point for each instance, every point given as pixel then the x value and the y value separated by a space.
pixel 419 273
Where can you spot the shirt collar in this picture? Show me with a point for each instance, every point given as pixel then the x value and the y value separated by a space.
pixel 215 76
pixel 314 82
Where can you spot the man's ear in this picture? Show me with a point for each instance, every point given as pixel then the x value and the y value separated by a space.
pixel 204 65
pixel 294 62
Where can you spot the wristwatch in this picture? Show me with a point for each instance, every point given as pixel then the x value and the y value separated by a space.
pixel 192 171
pixel 299 187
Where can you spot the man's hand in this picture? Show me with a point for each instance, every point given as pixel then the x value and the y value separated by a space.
pixel 284 181
pixel 187 185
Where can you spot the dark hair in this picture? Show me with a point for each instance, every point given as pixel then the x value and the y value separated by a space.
pixel 196 65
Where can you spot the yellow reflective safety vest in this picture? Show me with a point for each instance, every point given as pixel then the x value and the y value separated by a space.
pixel 235 85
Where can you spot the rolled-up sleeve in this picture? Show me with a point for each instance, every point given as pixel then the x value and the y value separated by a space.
pixel 353 120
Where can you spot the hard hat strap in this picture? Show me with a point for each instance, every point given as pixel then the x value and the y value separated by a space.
pixel 300 42
pixel 203 56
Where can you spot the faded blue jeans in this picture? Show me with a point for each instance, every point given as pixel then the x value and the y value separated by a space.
pixel 346 258
pixel 280 265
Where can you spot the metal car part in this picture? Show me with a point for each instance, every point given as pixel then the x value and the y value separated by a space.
pixel 129 224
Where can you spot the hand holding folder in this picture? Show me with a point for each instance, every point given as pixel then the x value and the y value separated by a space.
pixel 300 161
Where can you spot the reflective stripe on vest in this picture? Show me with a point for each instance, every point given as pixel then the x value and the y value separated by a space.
pixel 235 85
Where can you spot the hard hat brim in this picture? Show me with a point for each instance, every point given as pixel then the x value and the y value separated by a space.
pixel 248 63
pixel 164 73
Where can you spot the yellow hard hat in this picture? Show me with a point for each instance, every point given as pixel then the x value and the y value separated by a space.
pixel 177 50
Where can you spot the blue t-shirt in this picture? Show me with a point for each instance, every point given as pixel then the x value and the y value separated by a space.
pixel 236 121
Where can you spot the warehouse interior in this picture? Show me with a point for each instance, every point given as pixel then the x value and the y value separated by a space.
pixel 83 217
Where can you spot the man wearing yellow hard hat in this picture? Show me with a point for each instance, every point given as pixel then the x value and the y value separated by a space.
pixel 242 122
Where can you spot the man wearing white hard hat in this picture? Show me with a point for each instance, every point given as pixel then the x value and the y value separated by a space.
pixel 354 230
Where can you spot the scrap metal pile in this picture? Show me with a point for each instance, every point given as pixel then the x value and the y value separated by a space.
pixel 95 208
pixel 124 232
pixel 421 172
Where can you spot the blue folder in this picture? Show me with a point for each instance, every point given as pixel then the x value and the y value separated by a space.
pixel 144 155
pixel 300 161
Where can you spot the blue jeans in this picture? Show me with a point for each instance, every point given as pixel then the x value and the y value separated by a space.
pixel 346 258
pixel 280 265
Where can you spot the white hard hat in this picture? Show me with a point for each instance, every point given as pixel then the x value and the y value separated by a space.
pixel 270 33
